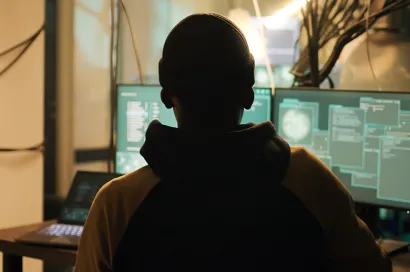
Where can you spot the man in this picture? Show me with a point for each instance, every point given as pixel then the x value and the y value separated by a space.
pixel 219 196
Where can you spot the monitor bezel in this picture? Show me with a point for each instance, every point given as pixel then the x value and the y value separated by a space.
pixel 306 89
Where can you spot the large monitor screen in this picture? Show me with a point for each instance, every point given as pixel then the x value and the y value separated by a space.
pixel 139 105
pixel 363 137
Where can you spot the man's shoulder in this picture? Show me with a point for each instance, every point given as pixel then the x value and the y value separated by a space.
pixel 107 221
pixel 131 182
pixel 300 155
pixel 315 185
pixel 125 193
pixel 306 165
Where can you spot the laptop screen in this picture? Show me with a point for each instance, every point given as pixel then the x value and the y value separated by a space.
pixel 81 195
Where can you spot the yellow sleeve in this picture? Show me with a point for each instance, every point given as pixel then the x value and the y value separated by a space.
pixel 350 245
pixel 108 219
pixel 95 244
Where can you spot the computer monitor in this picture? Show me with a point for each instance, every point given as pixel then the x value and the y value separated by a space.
pixel 362 136
pixel 139 105
pixel 261 109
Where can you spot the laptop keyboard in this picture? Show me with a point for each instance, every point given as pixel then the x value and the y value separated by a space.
pixel 62 230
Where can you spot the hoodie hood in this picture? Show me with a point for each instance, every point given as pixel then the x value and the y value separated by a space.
pixel 251 147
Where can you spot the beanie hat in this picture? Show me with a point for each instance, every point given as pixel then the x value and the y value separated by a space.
pixel 206 52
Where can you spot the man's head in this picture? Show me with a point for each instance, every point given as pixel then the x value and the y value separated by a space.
pixel 207 72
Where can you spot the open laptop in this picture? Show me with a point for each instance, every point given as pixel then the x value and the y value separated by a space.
pixel 67 231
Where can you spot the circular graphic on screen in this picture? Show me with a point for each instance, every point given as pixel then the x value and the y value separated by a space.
pixel 296 125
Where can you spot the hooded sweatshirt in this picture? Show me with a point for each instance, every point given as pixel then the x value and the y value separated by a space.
pixel 237 201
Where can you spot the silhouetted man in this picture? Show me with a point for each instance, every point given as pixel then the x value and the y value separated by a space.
pixel 217 195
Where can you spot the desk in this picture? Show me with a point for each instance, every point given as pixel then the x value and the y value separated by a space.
pixel 13 252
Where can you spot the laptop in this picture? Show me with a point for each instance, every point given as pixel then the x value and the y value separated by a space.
pixel 69 227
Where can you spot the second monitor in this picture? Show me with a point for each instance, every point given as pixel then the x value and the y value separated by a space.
pixel 363 137
pixel 139 105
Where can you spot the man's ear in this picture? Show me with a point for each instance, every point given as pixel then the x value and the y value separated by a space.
pixel 166 99
pixel 248 98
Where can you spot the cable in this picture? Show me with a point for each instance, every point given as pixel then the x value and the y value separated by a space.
pixel 311 27
pixel 352 29
pixel 369 5
pixel 331 83
pixel 39 147
pixel 33 36
pixel 28 42
pixel 353 32
pixel 265 51
pixel 296 45
pixel 134 42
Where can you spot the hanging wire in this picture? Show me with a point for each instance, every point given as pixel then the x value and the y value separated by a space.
pixel 134 42
pixel 343 20
pixel 369 5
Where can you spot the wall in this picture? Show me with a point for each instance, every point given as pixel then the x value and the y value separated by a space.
pixel 21 117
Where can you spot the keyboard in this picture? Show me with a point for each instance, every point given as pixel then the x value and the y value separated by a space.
pixel 62 230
